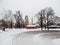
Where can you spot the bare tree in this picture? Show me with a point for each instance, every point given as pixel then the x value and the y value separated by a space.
pixel 45 17
pixel 8 18
pixel 50 13
pixel 41 16
pixel 19 20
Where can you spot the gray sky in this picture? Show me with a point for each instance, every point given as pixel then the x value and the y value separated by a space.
pixel 29 7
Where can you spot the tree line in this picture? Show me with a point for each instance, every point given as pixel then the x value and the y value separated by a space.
pixel 45 17
pixel 11 20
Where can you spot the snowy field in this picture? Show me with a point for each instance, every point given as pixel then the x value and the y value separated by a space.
pixel 29 37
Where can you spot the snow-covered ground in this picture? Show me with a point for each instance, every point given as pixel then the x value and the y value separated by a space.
pixel 36 38
pixel 6 37
pixel 28 37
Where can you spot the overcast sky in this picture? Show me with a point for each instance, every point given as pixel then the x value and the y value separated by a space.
pixel 30 7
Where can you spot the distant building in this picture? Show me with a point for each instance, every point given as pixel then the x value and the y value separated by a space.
pixel 3 24
pixel 26 21
pixel 31 26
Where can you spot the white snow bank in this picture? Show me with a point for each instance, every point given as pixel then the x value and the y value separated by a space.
pixel 42 40
pixel 48 39
pixel 7 37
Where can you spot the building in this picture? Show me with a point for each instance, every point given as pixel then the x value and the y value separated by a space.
pixel 31 26
pixel 26 20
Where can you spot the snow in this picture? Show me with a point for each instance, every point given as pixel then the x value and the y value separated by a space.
pixel 43 40
pixel 28 37
pixel 37 39
pixel 7 36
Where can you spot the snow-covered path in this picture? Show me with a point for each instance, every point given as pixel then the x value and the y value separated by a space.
pixel 37 38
